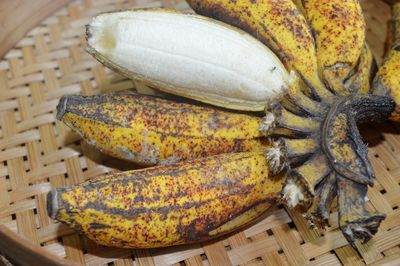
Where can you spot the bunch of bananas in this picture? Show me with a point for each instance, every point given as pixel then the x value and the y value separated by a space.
pixel 306 63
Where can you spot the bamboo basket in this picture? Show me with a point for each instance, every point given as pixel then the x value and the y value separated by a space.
pixel 38 153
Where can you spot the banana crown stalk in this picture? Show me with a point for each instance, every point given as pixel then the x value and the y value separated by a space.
pixel 314 87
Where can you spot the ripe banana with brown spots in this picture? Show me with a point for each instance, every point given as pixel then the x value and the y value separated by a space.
pixel 339 30
pixel 150 131
pixel 170 205
pixel 387 80
pixel 279 25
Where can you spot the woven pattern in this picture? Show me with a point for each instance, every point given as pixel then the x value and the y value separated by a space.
pixel 38 153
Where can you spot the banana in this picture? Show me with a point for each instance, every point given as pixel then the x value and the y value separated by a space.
pixel 169 205
pixel 149 130
pixel 339 30
pixel 279 25
pixel 190 56
pixel 387 80
pixel 360 81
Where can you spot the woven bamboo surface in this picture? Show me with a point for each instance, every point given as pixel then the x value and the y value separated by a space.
pixel 38 153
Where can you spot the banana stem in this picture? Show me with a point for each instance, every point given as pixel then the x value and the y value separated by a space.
pixel 342 167
pixel 318 214
pixel 340 133
pixel 354 219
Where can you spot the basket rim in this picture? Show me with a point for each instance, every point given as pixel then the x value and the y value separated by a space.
pixel 33 252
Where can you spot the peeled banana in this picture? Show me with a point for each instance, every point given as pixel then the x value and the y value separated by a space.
pixel 189 56
pixel 150 131
pixel 280 26
pixel 170 205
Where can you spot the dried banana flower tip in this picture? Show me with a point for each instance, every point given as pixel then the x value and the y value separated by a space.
pixel 267 123
pixel 363 230
pixel 76 104
pixel 53 203
pixel 62 107
pixel 293 193
pixel 276 157
pixel 87 31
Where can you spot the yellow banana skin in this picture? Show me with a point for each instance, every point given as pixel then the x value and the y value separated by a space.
pixel 387 80
pixel 360 81
pixel 279 25
pixel 339 30
pixel 150 131
pixel 299 4
pixel 169 205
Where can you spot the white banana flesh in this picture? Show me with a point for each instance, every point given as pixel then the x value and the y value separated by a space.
pixel 190 56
